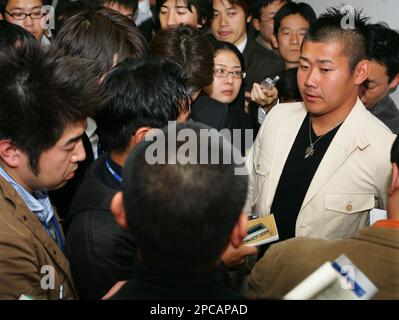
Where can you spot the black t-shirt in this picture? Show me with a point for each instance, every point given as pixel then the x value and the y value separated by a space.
pixel 296 177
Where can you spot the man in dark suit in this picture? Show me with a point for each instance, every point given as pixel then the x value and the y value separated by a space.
pixel 229 24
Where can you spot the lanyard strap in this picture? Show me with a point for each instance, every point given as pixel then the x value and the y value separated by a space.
pixel 55 233
pixel 112 171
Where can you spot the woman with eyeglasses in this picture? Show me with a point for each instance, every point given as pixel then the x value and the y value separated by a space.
pixel 228 73
pixel 29 14
pixel 228 86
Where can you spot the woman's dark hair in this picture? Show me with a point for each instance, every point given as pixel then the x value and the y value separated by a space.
pixel 223 45
pixel 102 36
pixel 189 48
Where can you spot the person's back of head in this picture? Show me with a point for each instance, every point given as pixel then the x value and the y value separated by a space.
pixel 329 27
pixel 189 48
pixel 102 36
pixel 13 36
pixel 146 92
pixel 41 94
pixel 182 213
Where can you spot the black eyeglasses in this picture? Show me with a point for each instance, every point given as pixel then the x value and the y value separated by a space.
pixel 23 15
pixel 222 73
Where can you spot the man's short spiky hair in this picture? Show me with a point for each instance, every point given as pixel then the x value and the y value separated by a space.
pixel 41 93
pixel 333 26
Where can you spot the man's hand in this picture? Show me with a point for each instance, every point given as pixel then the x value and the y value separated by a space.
pixel 234 257
pixel 266 98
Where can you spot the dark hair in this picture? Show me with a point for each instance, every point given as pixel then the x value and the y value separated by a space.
pixel 146 92
pixel 395 151
pixel 287 86
pixel 66 9
pixel 40 95
pixel 383 47
pixel 182 215
pixel 291 8
pixel 328 27
pixel 133 4
pixel 99 36
pixel 203 7
pixel 246 5
pixel 3 4
pixel 258 5
pixel 14 36
pixel 189 48
pixel 223 45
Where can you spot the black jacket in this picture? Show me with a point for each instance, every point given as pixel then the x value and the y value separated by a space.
pixel 260 63
pixel 149 284
pixel 100 252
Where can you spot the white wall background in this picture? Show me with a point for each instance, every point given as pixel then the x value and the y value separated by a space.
pixel 378 10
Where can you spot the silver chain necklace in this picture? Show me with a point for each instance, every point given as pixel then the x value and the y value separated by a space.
pixel 310 150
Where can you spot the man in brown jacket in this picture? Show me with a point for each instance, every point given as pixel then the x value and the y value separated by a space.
pixel 44 103
pixel 374 250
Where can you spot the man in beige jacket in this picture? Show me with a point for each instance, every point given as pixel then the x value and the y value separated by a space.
pixel 44 103
pixel 374 250
pixel 321 165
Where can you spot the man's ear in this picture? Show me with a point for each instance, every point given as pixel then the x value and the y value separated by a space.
pixel 256 24
pixel 9 153
pixel 240 230
pixel 274 41
pixel 394 83
pixel 394 180
pixel 118 210
pixel 139 135
pixel 362 71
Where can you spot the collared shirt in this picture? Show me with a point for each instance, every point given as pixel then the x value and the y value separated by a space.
pixel 38 202
pixel 143 12
pixel 241 46
pixel 93 137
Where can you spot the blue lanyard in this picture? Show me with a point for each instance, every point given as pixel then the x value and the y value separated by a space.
pixel 112 171
pixel 58 234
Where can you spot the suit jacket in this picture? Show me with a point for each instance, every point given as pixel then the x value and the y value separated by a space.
pixel 388 113
pixel 100 252
pixel 352 177
pixel 210 112
pixel 260 63
pixel 375 251
pixel 25 248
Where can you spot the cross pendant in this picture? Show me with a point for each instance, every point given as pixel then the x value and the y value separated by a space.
pixel 309 152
